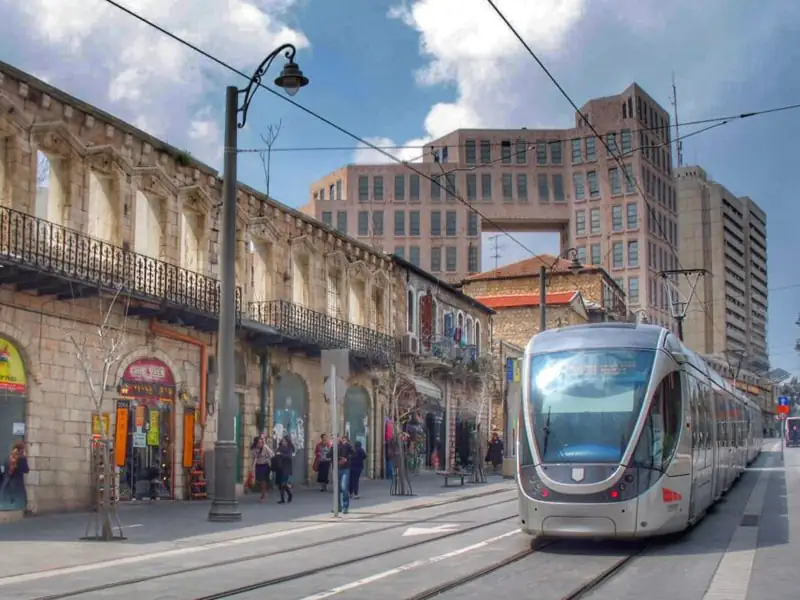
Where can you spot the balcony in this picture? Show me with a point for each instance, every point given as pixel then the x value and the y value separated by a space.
pixel 445 352
pixel 286 324
pixel 52 260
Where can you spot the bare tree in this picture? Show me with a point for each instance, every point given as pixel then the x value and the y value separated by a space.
pixel 269 138
pixel 399 398
pixel 481 377
pixel 97 356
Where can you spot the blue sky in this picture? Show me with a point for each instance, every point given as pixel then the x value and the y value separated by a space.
pixel 395 71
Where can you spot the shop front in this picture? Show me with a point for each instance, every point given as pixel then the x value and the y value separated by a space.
pixel 426 427
pixel 145 430
pixel 13 396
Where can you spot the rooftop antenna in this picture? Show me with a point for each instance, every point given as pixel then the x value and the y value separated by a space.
pixel 497 252
pixel 678 142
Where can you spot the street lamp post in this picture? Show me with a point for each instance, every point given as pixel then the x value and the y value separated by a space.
pixel 225 506
pixel 575 266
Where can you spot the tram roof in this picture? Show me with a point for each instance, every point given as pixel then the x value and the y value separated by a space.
pixel 596 336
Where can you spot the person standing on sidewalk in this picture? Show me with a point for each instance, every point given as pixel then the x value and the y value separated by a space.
pixel 283 478
pixel 357 460
pixel 345 458
pixel 262 455
pixel 322 462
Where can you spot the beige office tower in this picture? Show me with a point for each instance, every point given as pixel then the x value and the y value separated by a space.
pixel 727 236
pixel 525 180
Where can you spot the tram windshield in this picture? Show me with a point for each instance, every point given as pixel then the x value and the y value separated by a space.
pixel 584 404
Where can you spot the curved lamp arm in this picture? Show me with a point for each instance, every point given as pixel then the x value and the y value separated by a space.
pixel 255 80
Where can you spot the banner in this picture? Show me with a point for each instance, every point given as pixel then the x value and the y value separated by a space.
pixel 154 432
pixel 148 378
pixel 96 424
pixel 188 438
pixel 121 436
pixel 12 370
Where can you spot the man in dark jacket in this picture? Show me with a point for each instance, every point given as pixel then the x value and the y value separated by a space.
pixel 357 461
pixel 345 459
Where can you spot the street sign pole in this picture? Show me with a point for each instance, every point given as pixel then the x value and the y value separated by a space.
pixel 335 433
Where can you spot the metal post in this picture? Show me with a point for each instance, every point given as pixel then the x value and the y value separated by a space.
pixel 264 392
pixel 225 506
pixel 335 434
pixel 680 328
pixel 542 298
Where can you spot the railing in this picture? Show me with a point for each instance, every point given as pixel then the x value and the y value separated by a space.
pixel 447 349
pixel 318 329
pixel 33 243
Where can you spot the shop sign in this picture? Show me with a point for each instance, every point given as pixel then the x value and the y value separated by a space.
pixel 12 370
pixel 148 378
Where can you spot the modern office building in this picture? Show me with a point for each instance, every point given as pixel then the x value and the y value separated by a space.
pixel 727 236
pixel 521 180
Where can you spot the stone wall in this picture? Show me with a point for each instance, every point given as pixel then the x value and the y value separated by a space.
pixel 589 284
pixel 519 325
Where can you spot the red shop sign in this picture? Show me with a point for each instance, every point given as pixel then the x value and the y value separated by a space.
pixel 148 378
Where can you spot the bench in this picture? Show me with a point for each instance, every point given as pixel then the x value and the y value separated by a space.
pixel 452 475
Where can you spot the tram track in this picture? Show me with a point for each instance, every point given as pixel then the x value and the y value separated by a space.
pixel 596 582
pixel 314 544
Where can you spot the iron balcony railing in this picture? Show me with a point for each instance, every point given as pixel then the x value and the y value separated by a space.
pixel 34 244
pixel 321 330
pixel 447 349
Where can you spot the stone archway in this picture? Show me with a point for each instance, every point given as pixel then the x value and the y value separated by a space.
pixel 13 415
pixel 290 416
pixel 356 417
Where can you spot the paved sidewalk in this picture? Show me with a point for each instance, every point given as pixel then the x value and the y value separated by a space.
pixel 52 542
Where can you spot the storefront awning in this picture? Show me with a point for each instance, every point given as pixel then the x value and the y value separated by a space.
pixel 426 388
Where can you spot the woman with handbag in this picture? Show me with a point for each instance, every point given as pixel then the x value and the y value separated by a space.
pixel 262 456
pixel 322 462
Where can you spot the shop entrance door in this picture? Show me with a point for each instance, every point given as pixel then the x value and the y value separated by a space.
pixel 148 467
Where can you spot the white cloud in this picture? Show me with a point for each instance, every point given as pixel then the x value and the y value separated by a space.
pixel 149 79
pixel 593 48
pixel 411 151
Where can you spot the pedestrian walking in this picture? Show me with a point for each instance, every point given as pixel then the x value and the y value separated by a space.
pixel 345 456
pixel 357 461
pixel 262 456
pixel 494 453
pixel 283 478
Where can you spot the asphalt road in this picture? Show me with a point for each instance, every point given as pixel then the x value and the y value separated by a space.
pixel 463 550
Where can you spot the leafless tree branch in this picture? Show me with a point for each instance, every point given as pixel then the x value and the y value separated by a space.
pixel 269 138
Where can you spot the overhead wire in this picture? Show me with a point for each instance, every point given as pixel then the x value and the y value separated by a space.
pixel 613 153
pixel 727 119
pixel 368 145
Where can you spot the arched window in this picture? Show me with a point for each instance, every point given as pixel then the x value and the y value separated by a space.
pixel 460 327
pixel 420 295
pixel 435 329
pixel 411 308
pixel 468 332
pixel 478 336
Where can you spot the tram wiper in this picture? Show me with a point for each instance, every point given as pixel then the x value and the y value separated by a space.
pixel 546 430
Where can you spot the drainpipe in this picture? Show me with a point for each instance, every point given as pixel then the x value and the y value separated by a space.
pixel 264 391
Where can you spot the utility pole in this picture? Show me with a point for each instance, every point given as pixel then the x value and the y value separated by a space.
pixel 678 142
pixel 496 253
pixel 679 305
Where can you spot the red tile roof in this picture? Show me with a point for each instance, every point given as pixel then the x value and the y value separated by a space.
pixel 518 301
pixel 528 267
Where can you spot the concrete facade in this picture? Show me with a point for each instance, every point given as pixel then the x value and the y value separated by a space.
pixel 140 213
pixel 729 313
pixel 526 180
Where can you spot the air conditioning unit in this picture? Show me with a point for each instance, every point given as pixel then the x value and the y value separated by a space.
pixel 410 344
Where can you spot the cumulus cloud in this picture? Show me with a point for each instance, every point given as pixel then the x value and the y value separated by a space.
pixel 147 78
pixel 594 48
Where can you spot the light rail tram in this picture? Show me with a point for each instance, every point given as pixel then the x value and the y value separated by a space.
pixel 625 433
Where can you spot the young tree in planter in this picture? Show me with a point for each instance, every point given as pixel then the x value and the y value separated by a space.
pixel 480 377
pixel 397 394
pixel 97 356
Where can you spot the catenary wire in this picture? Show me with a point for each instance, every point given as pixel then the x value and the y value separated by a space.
pixel 705 121
pixel 614 154
pixel 369 145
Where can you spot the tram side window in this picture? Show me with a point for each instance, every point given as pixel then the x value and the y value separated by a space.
pixel 708 421
pixel 722 430
pixel 662 428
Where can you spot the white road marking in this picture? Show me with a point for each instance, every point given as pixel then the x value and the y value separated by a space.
pixel 132 526
pixel 443 528
pixel 139 558
pixel 407 567
pixel 732 578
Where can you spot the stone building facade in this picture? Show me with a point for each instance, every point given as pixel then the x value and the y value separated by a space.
pixel 446 349
pixel 90 208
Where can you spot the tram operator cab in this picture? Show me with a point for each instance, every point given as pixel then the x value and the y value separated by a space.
pixel 627 433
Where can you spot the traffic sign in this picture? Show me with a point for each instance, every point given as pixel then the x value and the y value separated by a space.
pixel 783 409
pixel 783 401
pixel 341 388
